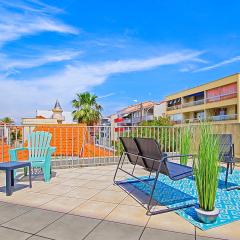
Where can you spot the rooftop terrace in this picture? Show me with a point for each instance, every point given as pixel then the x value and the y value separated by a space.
pixel 83 203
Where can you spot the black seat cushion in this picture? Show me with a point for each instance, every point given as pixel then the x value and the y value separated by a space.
pixel 177 171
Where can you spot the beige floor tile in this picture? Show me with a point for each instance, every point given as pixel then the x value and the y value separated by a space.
pixel 110 167
pixel 172 222
pixel 9 234
pixel 87 176
pixel 114 188
pixel 59 180
pixel 97 184
pixel 83 193
pixel 228 231
pixel 69 227
pixel 27 198
pixel 62 204
pixel 33 199
pixel 82 170
pixel 74 182
pixel 68 174
pixel 59 189
pixel 129 215
pixel 98 172
pixel 39 186
pixel 136 197
pixel 105 178
pixel 109 196
pixel 94 209
pixel 130 201
pixel 33 221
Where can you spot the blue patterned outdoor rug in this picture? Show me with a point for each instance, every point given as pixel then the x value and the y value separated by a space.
pixel 177 193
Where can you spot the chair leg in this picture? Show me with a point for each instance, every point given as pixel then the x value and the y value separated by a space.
pixel 151 195
pixel 46 173
pixel 25 171
pixel 30 176
pixel 226 178
pixel 231 171
pixel 14 173
pixel 120 159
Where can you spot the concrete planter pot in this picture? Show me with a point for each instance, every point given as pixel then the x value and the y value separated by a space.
pixel 207 216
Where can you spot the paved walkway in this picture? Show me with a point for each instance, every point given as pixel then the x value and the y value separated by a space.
pixel 82 203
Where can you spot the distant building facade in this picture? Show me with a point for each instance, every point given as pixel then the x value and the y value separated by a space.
pixel 137 113
pixel 216 101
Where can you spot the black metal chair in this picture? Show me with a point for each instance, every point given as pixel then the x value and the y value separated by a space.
pixel 149 148
pixel 147 153
pixel 227 154
pixel 131 151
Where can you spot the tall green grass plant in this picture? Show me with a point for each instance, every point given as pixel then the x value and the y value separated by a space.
pixel 206 168
pixel 185 144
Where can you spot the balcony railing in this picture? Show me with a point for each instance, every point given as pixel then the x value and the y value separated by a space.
pixel 193 120
pixel 143 118
pixel 193 103
pixel 223 117
pixel 221 97
pixel 212 118
pixel 174 107
pixel 206 100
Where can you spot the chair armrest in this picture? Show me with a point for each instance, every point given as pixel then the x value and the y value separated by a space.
pixel 181 155
pixel 19 149
pixel 51 150
pixel 178 156
pixel 13 153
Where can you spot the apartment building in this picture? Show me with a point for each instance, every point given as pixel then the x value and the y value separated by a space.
pixel 216 101
pixel 145 111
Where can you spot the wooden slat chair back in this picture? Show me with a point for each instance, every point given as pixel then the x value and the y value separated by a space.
pixel 38 145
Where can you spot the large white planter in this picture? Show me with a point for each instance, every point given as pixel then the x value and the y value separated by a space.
pixel 207 216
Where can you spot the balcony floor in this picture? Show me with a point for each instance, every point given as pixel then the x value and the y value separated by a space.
pixel 82 203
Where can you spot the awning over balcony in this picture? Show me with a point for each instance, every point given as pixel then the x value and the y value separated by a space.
pixel 174 102
pixel 118 120
pixel 195 94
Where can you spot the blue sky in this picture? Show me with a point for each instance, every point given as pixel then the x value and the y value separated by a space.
pixel 123 51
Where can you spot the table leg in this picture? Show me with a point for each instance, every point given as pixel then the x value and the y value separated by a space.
pixel 30 176
pixel 12 178
pixel 8 183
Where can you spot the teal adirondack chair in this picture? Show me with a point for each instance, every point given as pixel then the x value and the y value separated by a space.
pixel 39 152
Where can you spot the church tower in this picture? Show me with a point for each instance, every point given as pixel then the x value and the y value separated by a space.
pixel 57 112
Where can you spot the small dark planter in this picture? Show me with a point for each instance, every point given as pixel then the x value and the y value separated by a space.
pixel 207 216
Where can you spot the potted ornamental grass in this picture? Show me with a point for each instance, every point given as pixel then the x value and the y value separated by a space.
pixel 206 170
pixel 185 144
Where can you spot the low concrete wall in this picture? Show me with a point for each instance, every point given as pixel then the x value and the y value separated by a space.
pixel 82 162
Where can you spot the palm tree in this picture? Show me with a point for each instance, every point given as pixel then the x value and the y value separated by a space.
pixel 87 111
pixel 7 120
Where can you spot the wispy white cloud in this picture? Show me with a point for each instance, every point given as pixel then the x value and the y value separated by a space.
pixel 12 65
pixel 107 95
pixel 220 64
pixel 31 5
pixel 23 22
pixel 21 97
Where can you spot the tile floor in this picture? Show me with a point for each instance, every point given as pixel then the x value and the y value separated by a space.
pixel 83 203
